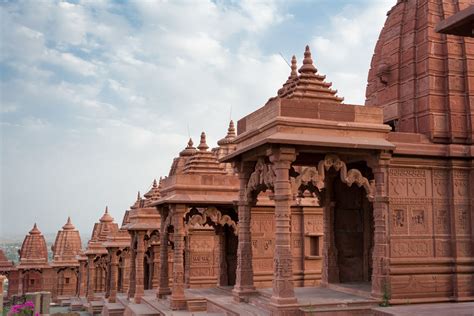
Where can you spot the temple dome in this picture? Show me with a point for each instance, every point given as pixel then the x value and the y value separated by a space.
pixel 424 80
pixel 34 250
pixel 67 244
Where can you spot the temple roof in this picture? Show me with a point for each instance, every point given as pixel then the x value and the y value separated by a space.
pixel 203 161
pixel 421 78
pixel 154 193
pixel 309 84
pixel 100 232
pixel 67 245
pixel 34 252
pixel 142 216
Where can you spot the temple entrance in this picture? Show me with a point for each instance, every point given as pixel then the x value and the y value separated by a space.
pixel 353 233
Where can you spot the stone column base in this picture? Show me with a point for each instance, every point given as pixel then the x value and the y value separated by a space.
pixel 178 303
pixel 242 294
pixel 282 301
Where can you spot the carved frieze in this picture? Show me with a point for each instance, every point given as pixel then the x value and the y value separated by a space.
pixel 408 182
pixel 312 179
pixel 405 248
pixel 214 215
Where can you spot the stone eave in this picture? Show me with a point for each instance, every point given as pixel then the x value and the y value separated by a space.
pixel 117 244
pixel 197 199
pixel 65 264
pixel 377 142
pixel 33 265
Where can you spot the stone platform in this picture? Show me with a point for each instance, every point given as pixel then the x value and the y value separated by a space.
pixel 440 309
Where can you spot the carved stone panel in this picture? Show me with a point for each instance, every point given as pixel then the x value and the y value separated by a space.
pixel 443 248
pixel 411 248
pixel 399 220
pixel 441 219
pixel 420 219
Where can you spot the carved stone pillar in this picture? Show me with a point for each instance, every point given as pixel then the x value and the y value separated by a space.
pixel 283 291
pixel 133 257
pixel 330 272
pixel 20 282
pixel 244 273
pixel 82 280
pixel 113 275
pixel 139 271
pixel 164 287
pixel 380 277
pixel 90 277
pixel 177 294
pixel 156 266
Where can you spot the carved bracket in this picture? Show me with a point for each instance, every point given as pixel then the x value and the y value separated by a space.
pixel 261 179
pixel 312 178
pixel 215 216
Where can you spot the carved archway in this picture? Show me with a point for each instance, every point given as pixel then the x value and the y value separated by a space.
pixel 210 216
pixel 313 178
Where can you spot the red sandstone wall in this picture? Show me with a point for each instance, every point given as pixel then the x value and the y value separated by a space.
pixel 430 228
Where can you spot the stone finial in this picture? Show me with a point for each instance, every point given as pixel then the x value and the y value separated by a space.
pixel 308 67
pixel 68 225
pixel 106 217
pixel 190 143
pixel 35 230
pixel 294 68
pixel 231 129
pixel 160 183
pixel 154 183
pixel 202 145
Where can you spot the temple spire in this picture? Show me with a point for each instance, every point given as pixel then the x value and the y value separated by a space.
pixel 307 68
pixel 202 145
pixel 35 230
pixel 68 225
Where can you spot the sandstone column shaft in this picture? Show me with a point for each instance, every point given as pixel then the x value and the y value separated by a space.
pixel 139 261
pixel 244 272
pixel 164 287
pixel 177 293
pixel 90 277
pixel 156 267
pixel 283 291
pixel 113 275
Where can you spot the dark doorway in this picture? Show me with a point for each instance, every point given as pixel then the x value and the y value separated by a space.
pixel 231 243
pixel 147 275
pixel 353 232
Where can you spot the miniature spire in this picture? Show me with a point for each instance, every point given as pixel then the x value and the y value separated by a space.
pixel 190 143
pixel 106 209
pixel 231 129
pixel 308 67
pixel 202 145
pixel 154 183
pixel 294 67
pixel 106 217
pixel 160 183
pixel 189 150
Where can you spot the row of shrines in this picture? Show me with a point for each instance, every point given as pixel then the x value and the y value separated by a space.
pixel 306 191
pixel 126 259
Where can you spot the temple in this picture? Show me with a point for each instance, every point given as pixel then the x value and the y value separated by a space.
pixel 309 205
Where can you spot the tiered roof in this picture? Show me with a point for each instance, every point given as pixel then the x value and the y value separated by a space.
pixel 67 245
pixel 34 252
pixel 203 161
pixel 142 215
pixel 309 84
pixel 101 231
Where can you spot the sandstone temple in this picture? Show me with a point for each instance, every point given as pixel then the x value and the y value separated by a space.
pixel 306 205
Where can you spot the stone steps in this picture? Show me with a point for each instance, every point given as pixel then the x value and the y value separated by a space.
pixel 196 304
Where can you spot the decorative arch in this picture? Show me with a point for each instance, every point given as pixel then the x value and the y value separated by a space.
pixel 312 178
pixel 213 215
pixel 261 179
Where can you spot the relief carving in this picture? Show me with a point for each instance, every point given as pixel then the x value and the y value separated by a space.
pixel 215 216
pixel 261 179
pixel 462 219
pixel 442 220
pixel 311 178
pixel 411 248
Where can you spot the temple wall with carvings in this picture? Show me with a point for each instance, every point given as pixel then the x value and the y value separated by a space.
pixel 306 240
pixel 430 229
pixel 201 258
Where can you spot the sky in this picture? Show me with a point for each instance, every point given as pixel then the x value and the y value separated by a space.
pixel 97 97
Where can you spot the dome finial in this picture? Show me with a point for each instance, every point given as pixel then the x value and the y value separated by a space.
pixel 138 196
pixel 190 143
pixel 202 145
pixel 106 209
pixel 308 67
pixel 155 184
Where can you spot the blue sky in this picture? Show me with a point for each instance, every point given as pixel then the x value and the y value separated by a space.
pixel 96 96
